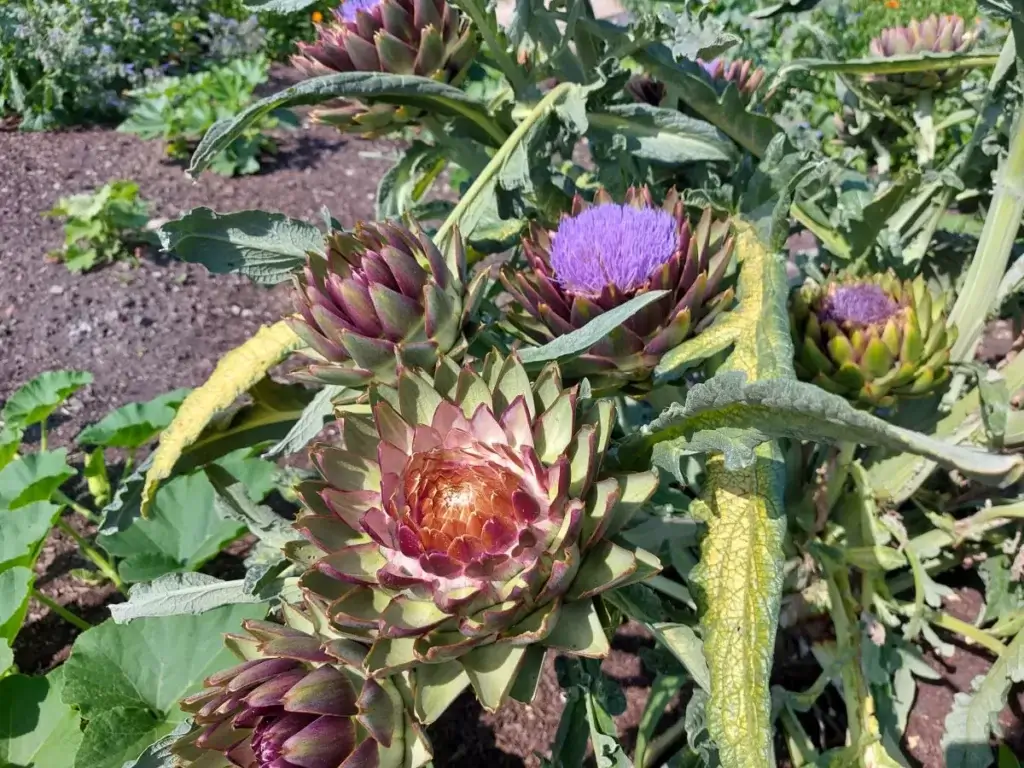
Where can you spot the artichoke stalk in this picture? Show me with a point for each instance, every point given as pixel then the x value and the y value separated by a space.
pixel 384 296
pixel 299 699
pixel 467 523
pixel 936 34
pixel 605 254
pixel 429 38
pixel 872 341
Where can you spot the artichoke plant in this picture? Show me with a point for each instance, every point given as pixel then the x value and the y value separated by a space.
pixel 384 295
pixel 936 34
pixel 743 73
pixel 603 255
pixel 872 341
pixel 299 699
pixel 429 38
pixel 466 527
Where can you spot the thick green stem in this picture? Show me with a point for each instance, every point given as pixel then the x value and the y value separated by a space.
pixel 494 167
pixel 63 498
pixel 93 554
pixel 42 436
pixel 978 635
pixel 61 611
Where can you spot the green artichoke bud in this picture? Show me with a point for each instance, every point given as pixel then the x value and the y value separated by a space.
pixel 603 255
pixel 936 34
pixel 299 699
pixel 429 38
pixel 466 527
pixel 383 296
pixel 872 341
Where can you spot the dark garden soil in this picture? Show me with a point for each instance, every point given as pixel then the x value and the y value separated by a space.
pixel 142 330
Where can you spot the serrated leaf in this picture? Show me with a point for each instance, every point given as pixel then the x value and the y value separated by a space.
pixel 664 136
pixel 33 478
pixel 134 424
pixel 236 372
pixel 176 594
pixel 33 402
pixel 37 729
pixel 411 90
pixel 310 423
pixel 184 530
pixel 235 503
pixel 580 340
pixel 152 663
pixel 975 715
pixel 265 247
pixel 125 507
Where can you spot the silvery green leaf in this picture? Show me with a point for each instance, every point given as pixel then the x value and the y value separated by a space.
pixel 175 594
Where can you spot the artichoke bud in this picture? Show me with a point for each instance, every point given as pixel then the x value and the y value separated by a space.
pixel 383 297
pixel 936 34
pixel 872 341
pixel 299 698
pixel 429 38
pixel 466 522
pixel 604 254
pixel 743 73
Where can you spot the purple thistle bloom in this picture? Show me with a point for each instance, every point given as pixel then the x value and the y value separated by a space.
pixel 347 10
pixel 861 304
pixel 612 244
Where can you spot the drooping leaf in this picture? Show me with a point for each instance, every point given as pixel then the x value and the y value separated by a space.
pixel 37 729
pixel 35 401
pixel 150 664
pixel 236 372
pixel 265 247
pixel 975 715
pixel 688 648
pixel 176 594
pixel 183 531
pixel 581 339
pixel 33 478
pixel 134 424
pixel 411 90
pixel 664 136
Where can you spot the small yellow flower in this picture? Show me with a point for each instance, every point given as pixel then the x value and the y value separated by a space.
pixel 317 17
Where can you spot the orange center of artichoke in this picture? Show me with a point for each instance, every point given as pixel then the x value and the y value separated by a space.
pixel 453 494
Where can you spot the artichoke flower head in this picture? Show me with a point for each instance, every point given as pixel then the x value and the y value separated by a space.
pixel 603 255
pixel 429 38
pixel 467 521
pixel 872 341
pixel 937 35
pixel 299 699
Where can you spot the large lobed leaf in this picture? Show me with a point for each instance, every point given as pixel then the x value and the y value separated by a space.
pixel 664 136
pixel 134 424
pixel 35 401
pixel 36 727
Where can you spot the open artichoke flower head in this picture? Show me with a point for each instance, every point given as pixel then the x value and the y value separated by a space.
pixel 384 296
pixel 873 340
pixel 605 254
pixel 299 699
pixel 466 528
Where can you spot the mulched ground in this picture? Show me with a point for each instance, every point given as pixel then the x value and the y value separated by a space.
pixel 147 329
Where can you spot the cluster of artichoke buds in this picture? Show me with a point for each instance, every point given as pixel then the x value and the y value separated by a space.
pixel 300 699
pixel 428 38
pixel 384 296
pixel 936 34
pixel 603 255
pixel 872 340
pixel 466 527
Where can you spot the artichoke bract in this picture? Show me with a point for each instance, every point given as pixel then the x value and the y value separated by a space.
pixel 872 341
pixel 743 73
pixel 383 296
pixel 429 38
pixel 603 255
pixel 936 34
pixel 299 699
pixel 466 527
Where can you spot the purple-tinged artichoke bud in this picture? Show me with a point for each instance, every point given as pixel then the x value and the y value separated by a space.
pixel 603 255
pixel 384 296
pixel 298 700
pixel 429 38
pixel 936 34
pixel 872 341
pixel 740 72
pixel 467 520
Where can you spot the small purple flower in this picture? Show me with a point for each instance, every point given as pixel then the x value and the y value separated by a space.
pixel 347 10
pixel 612 244
pixel 860 304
